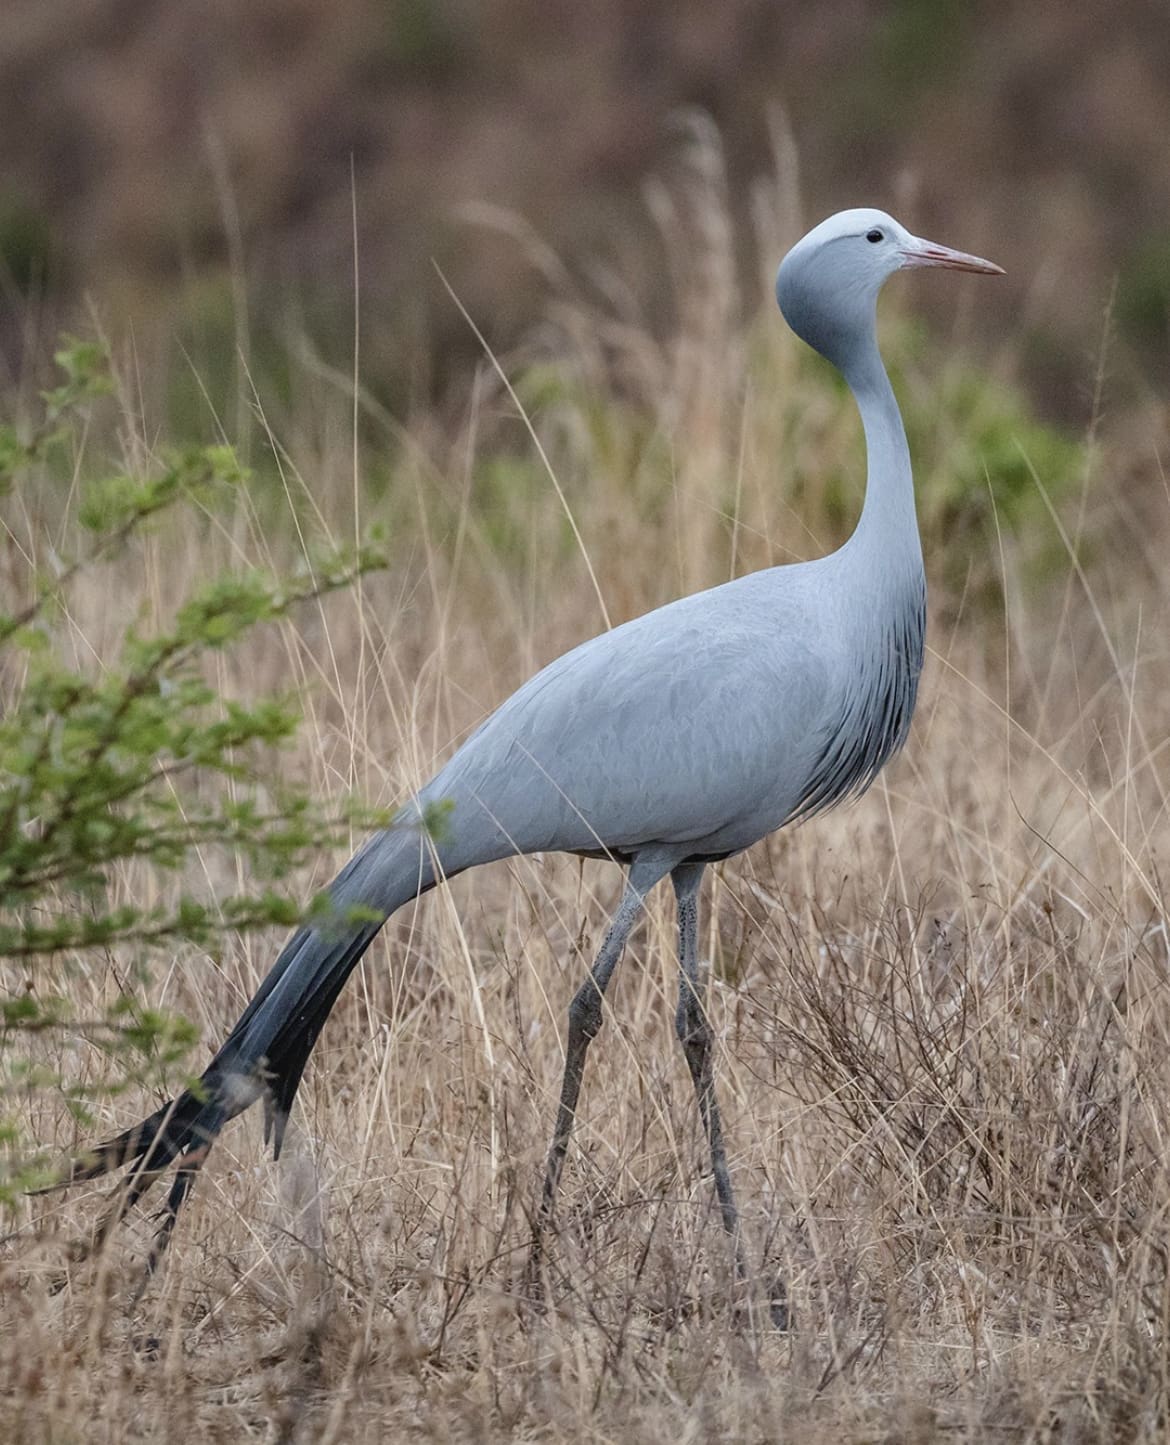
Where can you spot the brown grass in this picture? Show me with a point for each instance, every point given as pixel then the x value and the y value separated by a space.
pixel 943 1017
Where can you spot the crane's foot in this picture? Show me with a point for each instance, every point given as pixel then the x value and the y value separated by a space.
pixel 779 1309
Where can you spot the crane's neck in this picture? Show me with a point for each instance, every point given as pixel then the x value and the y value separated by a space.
pixel 888 528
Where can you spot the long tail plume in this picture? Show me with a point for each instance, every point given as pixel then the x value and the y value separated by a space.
pixel 263 1057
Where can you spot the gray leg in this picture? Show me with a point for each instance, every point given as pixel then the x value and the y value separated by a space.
pixel 584 1024
pixel 694 1031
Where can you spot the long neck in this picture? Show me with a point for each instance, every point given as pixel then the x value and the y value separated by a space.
pixel 888 527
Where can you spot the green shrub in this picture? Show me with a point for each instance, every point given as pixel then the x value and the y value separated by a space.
pixel 104 766
pixel 1143 296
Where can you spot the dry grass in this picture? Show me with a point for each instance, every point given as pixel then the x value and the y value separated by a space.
pixel 943 1017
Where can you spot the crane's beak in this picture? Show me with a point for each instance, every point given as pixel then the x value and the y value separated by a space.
pixel 928 253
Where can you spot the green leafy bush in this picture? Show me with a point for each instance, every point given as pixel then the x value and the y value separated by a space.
pixel 103 766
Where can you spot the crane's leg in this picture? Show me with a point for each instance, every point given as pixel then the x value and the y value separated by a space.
pixel 694 1032
pixel 646 870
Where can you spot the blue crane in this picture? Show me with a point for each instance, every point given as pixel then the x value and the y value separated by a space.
pixel 629 748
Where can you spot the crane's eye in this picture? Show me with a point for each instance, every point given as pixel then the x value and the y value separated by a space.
pixel 875 236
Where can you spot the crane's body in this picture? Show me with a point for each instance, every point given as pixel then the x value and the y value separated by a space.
pixel 679 738
pixel 577 759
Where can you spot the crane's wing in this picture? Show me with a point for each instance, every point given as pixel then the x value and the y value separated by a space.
pixel 701 722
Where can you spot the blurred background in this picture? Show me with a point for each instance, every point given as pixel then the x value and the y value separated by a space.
pixel 161 161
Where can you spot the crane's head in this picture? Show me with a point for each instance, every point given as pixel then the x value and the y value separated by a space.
pixel 829 282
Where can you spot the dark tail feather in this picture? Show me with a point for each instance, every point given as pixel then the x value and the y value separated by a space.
pixel 288 1053
pixel 264 1056
pixel 150 1146
pixel 183 1129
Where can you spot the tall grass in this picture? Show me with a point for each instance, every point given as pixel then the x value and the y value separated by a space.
pixel 942 1014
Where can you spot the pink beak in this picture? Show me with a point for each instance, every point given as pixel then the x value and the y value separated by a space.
pixel 927 253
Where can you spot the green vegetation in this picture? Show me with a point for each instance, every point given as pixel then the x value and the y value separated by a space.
pixel 985 467
pixel 1143 297
pixel 138 761
pixel 29 258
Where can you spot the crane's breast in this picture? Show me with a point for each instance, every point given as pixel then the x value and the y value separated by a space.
pixel 874 716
